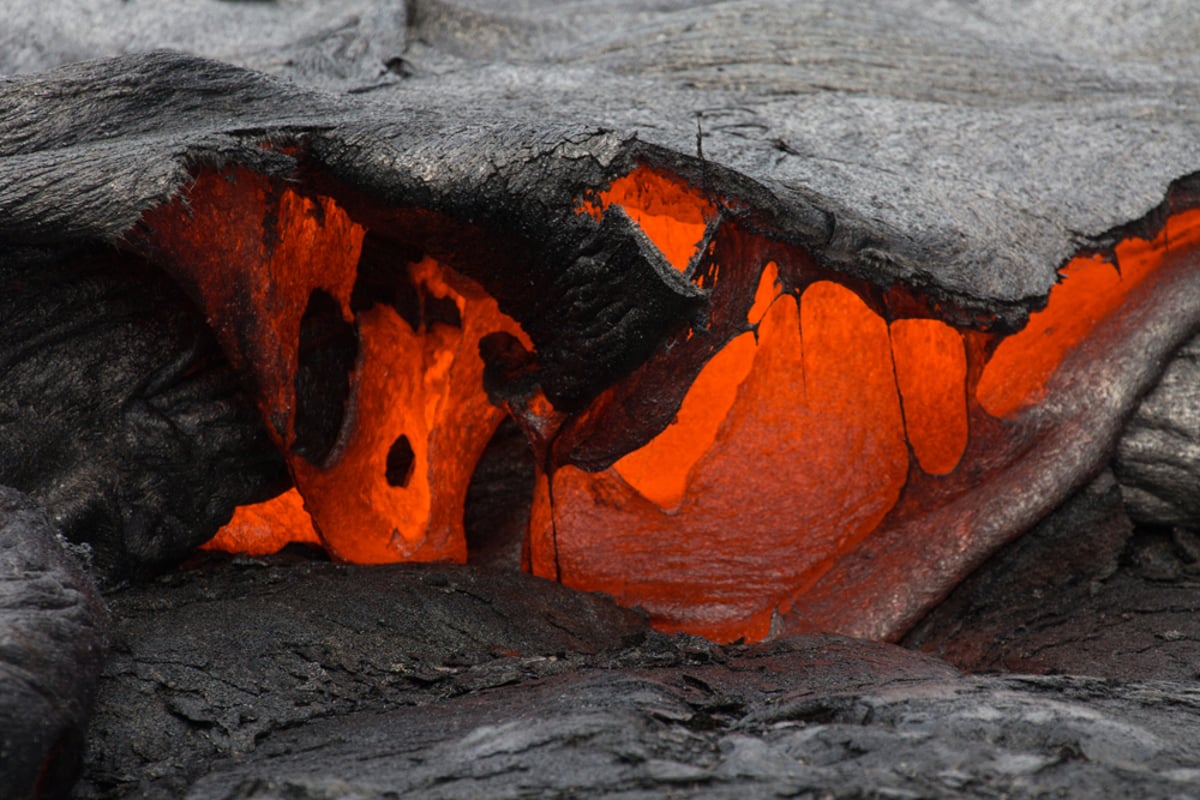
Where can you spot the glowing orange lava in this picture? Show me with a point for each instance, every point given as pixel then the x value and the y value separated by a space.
pixel 254 251
pixel 426 386
pixel 780 490
pixel 807 426
pixel 788 450
pixel 672 213
pixel 1091 289
pixel 931 372
pixel 264 528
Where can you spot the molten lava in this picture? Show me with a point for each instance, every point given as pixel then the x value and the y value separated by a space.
pixel 931 373
pixel 264 528
pixel 1092 288
pixel 796 441
pixel 823 412
pixel 391 483
pixel 672 213
pixel 817 411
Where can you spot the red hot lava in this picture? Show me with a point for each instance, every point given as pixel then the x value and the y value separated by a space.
pixel 824 413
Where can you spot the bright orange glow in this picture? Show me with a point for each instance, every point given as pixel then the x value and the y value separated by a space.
pixel 264 528
pixel 424 385
pixel 768 290
pixel 1091 289
pixel 659 469
pixel 253 252
pixel 785 462
pixel 931 371
pixel 810 458
pixel 672 213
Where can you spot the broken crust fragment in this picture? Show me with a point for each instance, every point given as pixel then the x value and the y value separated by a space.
pixel 822 455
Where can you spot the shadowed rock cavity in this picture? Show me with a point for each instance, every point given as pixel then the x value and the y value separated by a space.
pixel 1085 592
pixel 496 513
pixel 328 349
pixel 117 405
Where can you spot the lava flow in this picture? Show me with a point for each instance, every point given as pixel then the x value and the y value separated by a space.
pixel 275 271
pixel 812 414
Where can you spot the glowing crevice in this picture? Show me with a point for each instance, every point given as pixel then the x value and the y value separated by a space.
pixel 672 213
pixel 790 448
pixel 1091 288
pixel 717 527
pixel 931 371
pixel 263 528
pixel 659 470
pixel 783 476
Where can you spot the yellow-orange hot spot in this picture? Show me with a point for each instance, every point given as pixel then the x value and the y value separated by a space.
pixel 263 528
pixel 768 289
pixel 659 469
pixel 672 213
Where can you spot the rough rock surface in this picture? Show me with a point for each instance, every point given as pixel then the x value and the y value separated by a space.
pixel 965 149
pixel 950 147
pixel 1083 593
pixel 955 151
pixel 264 680
pixel 1158 457
pixel 52 629
pixel 116 404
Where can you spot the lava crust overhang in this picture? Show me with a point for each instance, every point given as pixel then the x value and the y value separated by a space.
pixel 241 267
pixel 982 243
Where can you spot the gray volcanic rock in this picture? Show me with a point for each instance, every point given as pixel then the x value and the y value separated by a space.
pixel 1083 593
pixel 52 631
pixel 1158 457
pixel 262 679
pixel 208 663
pixel 948 147
pixel 116 405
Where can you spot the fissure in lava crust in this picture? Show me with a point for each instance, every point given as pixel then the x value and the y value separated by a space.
pixel 811 451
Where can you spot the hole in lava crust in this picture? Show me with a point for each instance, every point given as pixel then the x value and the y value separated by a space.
pixel 328 350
